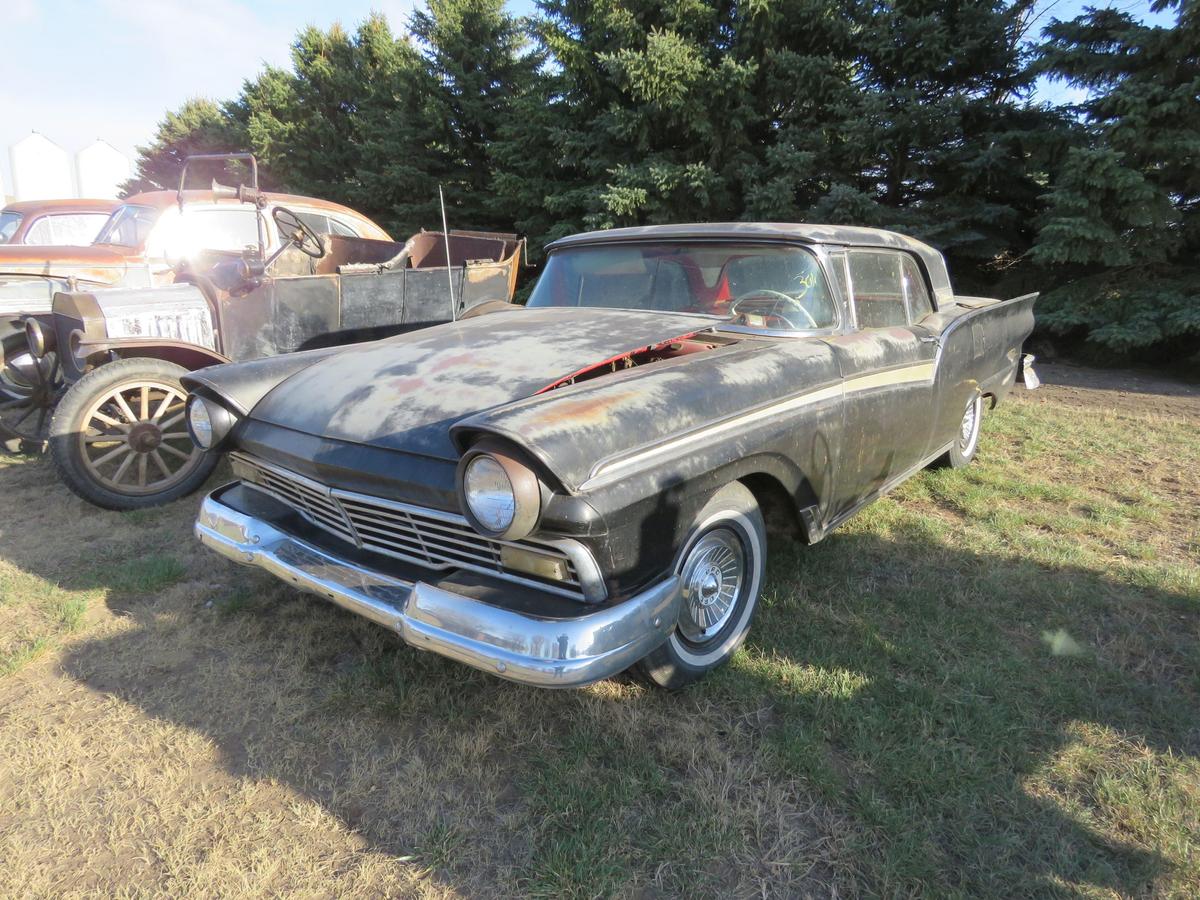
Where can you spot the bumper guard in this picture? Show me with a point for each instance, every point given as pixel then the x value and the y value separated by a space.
pixel 535 650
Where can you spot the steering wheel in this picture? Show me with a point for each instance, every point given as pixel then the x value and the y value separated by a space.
pixel 303 237
pixel 780 304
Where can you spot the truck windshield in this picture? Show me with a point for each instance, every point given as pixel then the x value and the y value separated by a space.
pixel 768 286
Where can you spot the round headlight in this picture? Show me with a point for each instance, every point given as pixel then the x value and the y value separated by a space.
pixel 40 341
pixel 200 424
pixel 489 493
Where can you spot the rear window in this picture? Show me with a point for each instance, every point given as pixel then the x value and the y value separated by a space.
pixel 323 224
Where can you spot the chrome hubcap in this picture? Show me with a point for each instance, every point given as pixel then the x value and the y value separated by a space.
pixel 711 581
pixel 970 422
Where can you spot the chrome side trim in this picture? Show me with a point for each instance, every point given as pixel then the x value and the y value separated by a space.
pixel 608 470
pixel 534 650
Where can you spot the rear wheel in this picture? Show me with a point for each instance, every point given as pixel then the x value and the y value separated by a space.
pixel 720 572
pixel 966 440
pixel 119 438
pixel 29 388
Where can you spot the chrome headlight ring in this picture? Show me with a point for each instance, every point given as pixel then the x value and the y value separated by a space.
pixel 500 496
pixel 208 422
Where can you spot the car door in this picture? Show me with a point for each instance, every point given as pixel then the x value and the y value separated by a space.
pixel 887 364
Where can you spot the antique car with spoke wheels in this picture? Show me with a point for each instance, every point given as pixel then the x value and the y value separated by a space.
pixel 116 437
pixel 558 492
pixel 147 240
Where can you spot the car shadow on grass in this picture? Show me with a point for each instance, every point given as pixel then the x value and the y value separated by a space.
pixel 905 718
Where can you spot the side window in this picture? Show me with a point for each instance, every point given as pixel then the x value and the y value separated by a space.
pixel 74 229
pixel 230 228
pixel 336 227
pixel 916 294
pixel 878 289
pixel 40 232
pixel 316 221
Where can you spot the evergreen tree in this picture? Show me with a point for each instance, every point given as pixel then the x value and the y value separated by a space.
pixel 948 148
pixel 477 64
pixel 639 117
pixel 1121 231
pixel 199 126
pixel 318 126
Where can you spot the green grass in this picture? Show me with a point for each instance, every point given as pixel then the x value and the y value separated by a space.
pixel 146 574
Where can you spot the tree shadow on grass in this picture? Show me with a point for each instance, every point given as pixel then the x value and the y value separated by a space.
pixel 891 727
pixel 909 690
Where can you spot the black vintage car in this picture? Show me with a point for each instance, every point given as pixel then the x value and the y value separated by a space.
pixel 559 492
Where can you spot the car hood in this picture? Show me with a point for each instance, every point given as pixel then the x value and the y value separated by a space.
pixel 406 392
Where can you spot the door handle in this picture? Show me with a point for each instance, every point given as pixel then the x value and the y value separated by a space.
pixel 930 339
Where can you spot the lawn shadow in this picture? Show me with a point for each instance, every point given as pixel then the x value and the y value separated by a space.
pixel 911 691
pixel 891 726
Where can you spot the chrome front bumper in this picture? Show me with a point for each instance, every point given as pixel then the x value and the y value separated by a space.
pixel 536 650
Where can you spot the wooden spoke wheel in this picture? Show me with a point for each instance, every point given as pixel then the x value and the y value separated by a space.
pixel 119 437
pixel 29 389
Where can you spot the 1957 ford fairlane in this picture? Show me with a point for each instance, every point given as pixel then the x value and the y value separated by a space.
pixel 560 492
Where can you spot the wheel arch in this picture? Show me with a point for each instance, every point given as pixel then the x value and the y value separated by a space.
pixel 189 356
pixel 783 491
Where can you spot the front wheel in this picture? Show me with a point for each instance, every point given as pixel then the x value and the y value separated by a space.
pixel 720 574
pixel 119 439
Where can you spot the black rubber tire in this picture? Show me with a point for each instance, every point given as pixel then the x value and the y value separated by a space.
pixel 67 423
pixel 678 662
pixel 961 453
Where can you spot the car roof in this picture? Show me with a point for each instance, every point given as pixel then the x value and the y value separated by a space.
pixel 66 205
pixel 164 199
pixel 839 235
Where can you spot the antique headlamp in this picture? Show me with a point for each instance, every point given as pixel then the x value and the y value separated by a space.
pixel 208 422
pixel 500 496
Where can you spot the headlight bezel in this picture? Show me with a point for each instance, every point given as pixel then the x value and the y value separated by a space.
pixel 41 340
pixel 525 486
pixel 221 421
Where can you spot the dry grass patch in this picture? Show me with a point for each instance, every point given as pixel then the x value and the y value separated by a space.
pixel 986 685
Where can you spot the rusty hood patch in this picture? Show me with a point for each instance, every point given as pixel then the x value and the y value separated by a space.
pixel 406 392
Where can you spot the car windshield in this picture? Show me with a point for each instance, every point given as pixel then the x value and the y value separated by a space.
pixel 128 226
pixel 768 286
pixel 9 222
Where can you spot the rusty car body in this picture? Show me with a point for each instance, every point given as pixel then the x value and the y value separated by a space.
pixel 116 435
pixel 144 238
pixel 145 241
pixel 54 222
pixel 557 493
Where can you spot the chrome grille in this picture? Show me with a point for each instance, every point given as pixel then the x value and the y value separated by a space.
pixel 414 534
pixel 307 497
